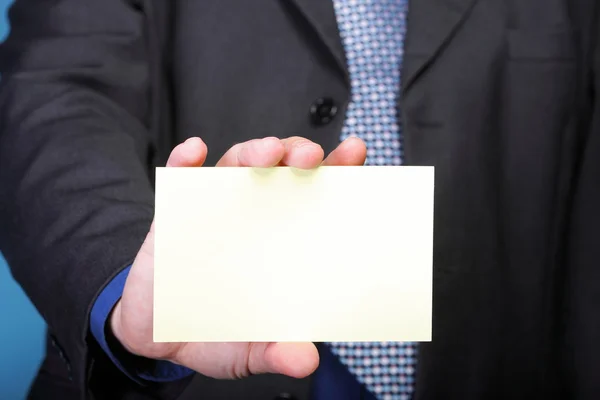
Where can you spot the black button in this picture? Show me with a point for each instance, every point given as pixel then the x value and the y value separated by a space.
pixel 323 111
pixel 284 396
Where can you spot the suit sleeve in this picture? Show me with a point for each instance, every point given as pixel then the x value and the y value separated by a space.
pixel 76 201
pixel 582 271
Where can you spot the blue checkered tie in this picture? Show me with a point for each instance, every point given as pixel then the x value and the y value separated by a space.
pixel 373 35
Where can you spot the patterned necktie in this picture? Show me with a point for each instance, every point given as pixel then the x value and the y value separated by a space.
pixel 373 35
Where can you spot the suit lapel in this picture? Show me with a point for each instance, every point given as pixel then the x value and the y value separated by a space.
pixel 431 25
pixel 320 14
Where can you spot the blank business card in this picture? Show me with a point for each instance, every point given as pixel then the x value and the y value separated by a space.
pixel 281 254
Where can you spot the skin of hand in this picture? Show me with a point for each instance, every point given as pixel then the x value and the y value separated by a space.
pixel 131 319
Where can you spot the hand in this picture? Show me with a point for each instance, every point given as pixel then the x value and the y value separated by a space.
pixel 131 320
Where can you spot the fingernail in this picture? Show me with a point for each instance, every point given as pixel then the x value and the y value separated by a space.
pixel 270 141
pixel 305 143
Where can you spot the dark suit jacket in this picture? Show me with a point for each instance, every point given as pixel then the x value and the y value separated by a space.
pixel 500 95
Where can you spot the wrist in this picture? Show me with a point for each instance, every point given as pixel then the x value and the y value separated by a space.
pixel 116 329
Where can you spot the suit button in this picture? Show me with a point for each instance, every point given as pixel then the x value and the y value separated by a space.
pixel 323 111
pixel 284 396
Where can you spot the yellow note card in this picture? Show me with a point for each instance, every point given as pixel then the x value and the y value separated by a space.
pixel 281 254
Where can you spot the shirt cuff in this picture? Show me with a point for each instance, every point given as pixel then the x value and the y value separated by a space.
pixel 143 369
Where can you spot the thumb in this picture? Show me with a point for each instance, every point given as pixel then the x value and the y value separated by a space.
pixel 297 360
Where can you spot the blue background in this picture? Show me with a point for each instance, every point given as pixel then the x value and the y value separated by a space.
pixel 21 327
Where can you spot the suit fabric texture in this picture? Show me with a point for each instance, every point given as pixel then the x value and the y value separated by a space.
pixel 501 96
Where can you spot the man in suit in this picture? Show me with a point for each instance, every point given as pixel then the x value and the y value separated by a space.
pixel 501 96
